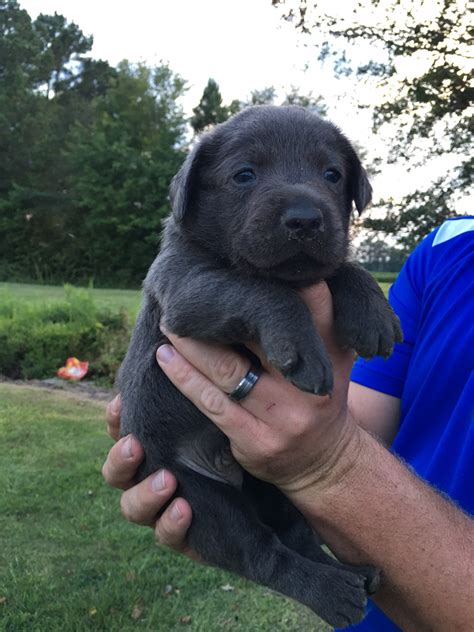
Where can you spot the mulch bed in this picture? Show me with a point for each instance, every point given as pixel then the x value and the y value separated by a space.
pixel 83 388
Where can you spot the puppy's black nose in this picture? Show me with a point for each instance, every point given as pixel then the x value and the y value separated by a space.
pixel 303 221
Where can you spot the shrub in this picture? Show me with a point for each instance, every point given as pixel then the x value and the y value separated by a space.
pixel 37 338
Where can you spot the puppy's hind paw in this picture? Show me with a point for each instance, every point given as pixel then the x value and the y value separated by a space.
pixel 371 576
pixel 345 600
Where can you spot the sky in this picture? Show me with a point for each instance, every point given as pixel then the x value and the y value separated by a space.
pixel 242 44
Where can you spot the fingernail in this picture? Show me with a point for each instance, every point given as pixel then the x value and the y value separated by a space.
pixel 176 512
pixel 127 448
pixel 158 482
pixel 165 353
pixel 116 405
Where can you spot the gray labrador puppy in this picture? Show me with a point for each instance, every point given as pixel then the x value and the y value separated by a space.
pixel 261 207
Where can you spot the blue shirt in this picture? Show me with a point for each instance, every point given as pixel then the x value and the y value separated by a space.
pixel 432 371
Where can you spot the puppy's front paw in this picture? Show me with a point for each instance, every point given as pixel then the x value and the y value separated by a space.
pixel 370 329
pixel 312 374
pixel 304 363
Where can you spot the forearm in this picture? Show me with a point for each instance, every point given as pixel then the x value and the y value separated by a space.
pixel 380 513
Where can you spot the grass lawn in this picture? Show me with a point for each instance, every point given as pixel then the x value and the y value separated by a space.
pixel 114 299
pixel 70 562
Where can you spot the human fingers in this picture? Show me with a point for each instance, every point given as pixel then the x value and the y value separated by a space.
pixel 142 502
pixel 231 418
pixel 122 462
pixel 112 416
pixel 319 301
pixel 288 451
pixel 171 529
pixel 271 400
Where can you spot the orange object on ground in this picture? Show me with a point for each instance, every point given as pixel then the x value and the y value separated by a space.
pixel 74 369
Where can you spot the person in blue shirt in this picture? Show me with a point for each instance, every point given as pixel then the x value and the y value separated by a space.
pixel 407 509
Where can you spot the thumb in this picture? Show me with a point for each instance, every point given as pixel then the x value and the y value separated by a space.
pixel 319 302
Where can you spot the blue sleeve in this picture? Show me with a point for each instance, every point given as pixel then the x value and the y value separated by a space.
pixel 405 296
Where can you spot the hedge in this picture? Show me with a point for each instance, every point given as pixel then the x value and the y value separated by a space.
pixel 37 338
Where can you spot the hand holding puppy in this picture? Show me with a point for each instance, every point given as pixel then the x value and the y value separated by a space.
pixel 292 439
pixel 278 433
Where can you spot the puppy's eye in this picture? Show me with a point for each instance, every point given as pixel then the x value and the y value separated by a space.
pixel 332 175
pixel 245 176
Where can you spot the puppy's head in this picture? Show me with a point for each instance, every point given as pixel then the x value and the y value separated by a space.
pixel 271 191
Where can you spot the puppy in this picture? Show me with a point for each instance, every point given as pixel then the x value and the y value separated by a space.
pixel 261 207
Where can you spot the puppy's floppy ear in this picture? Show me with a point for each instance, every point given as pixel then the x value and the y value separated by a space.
pixel 184 183
pixel 361 187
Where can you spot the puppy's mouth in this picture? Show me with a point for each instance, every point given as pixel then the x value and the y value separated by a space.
pixel 300 268
pixel 268 251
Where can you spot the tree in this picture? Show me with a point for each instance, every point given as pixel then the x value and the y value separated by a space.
pixel 86 162
pixel 19 48
pixel 315 104
pixel 423 67
pixel 210 110
pixel 19 52
pixel 376 255
pixel 120 165
pixel 62 43
pixel 34 201
pixel 93 80
pixel 266 96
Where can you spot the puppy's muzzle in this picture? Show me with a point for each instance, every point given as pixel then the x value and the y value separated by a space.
pixel 302 221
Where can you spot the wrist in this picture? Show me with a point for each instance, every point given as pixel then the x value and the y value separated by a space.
pixel 331 472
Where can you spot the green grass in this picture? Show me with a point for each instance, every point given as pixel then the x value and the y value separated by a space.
pixel 385 277
pixel 69 561
pixel 113 299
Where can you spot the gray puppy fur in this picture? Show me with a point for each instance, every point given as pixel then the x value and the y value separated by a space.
pixel 261 207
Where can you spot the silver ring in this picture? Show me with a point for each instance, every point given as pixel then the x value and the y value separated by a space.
pixel 245 385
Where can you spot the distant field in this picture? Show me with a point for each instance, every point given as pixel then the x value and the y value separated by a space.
pixel 115 299
pixel 385 277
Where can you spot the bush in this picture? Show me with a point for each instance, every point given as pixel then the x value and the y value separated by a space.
pixel 36 339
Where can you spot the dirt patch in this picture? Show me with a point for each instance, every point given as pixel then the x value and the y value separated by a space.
pixel 85 390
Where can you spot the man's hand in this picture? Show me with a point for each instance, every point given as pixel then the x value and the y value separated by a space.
pixel 280 434
pixel 142 502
